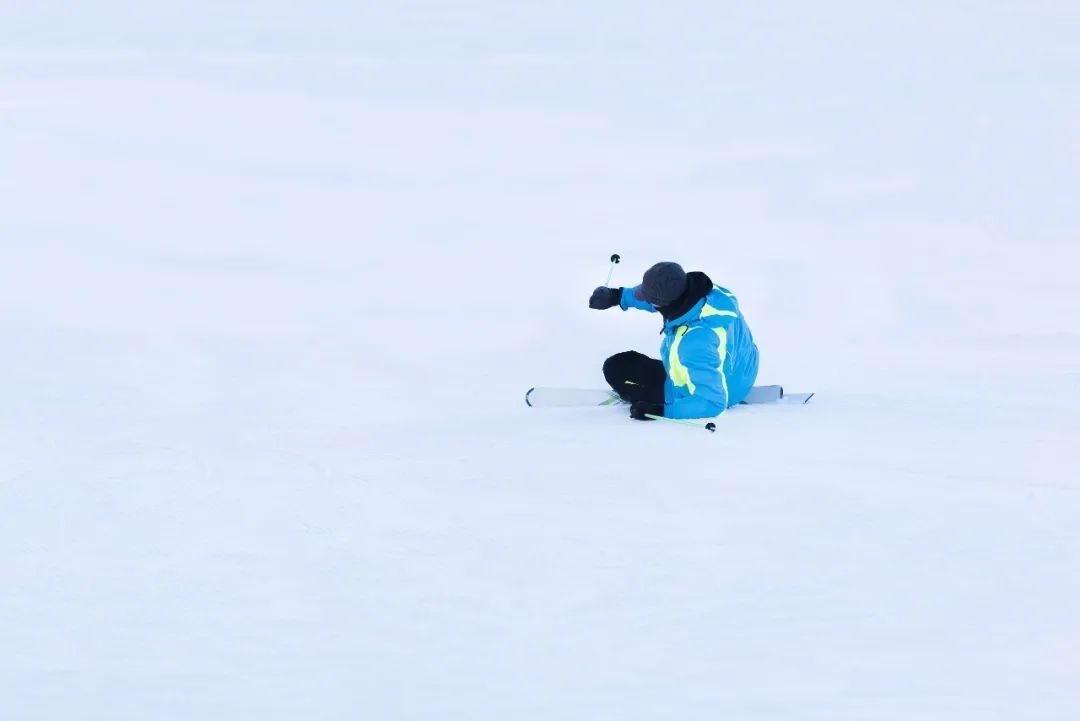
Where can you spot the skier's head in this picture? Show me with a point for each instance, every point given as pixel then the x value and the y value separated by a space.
pixel 662 284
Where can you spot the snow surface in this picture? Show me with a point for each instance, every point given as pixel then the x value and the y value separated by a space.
pixel 275 277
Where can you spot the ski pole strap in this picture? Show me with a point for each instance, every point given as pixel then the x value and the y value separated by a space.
pixel 707 425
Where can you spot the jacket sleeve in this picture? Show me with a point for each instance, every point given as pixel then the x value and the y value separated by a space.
pixel 628 301
pixel 697 364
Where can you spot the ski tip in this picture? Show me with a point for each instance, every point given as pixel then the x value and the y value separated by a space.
pixel 527 394
pixel 808 399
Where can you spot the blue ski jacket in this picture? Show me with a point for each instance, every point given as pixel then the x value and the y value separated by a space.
pixel 709 355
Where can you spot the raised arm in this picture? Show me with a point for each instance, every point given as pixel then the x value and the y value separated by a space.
pixel 603 298
pixel 628 300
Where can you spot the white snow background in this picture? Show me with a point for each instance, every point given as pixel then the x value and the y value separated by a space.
pixel 275 276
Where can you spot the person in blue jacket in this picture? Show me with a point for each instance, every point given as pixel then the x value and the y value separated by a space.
pixel 709 361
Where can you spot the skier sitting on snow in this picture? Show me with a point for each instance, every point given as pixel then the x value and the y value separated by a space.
pixel 709 362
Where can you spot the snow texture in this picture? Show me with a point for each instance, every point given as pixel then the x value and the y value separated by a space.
pixel 276 275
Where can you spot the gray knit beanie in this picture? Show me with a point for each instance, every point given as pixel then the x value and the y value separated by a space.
pixel 662 284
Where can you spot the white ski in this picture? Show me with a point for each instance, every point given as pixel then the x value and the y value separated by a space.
pixel 568 397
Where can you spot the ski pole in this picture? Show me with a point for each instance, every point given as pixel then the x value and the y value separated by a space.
pixel 708 425
pixel 611 271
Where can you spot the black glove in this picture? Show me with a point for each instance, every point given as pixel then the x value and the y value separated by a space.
pixel 638 409
pixel 604 298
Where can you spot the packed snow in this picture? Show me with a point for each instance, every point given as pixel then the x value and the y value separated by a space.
pixel 276 276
